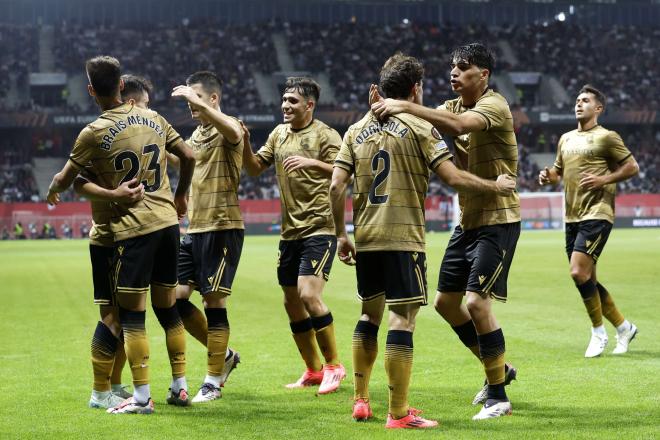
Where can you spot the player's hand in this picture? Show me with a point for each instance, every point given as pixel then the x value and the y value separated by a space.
pixel 129 192
pixel 345 250
pixel 591 181
pixel 189 94
pixel 505 185
pixel 544 176
pixel 374 95
pixel 53 198
pixel 293 163
pixel 387 107
pixel 181 204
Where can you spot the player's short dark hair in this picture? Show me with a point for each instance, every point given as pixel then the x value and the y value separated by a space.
pixel 307 87
pixel 399 75
pixel 600 96
pixel 476 54
pixel 134 86
pixel 209 81
pixel 104 73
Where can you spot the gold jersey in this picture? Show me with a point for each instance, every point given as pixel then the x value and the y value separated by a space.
pixel 124 143
pixel 594 151
pixel 213 203
pixel 303 193
pixel 487 153
pixel 391 162
pixel 100 233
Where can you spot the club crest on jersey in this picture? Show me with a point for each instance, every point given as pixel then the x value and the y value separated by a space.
pixel 435 133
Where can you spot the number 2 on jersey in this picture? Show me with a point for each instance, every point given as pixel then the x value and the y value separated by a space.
pixel 377 199
pixel 134 166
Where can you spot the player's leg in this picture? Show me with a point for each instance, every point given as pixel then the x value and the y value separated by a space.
pixel 452 280
pixel 163 301
pixel 405 291
pixel 132 305
pixel 371 292
pixel 105 341
pixel 193 319
pixel 625 330
pixel 216 258
pixel 581 241
pixel 491 254
pixel 314 270
pixel 398 366
pixel 302 329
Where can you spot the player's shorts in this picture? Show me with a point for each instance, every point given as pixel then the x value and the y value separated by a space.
pixel 399 275
pixel 478 260
pixel 307 256
pixel 208 260
pixel 588 237
pixel 149 259
pixel 101 257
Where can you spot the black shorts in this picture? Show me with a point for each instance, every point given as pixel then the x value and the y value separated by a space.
pixel 145 260
pixel 307 256
pixel 101 257
pixel 208 260
pixel 478 260
pixel 588 237
pixel 399 275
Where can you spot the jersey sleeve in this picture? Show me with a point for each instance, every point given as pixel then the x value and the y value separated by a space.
pixel 491 110
pixel 267 152
pixel 559 160
pixel 344 158
pixel 434 148
pixel 618 152
pixel 171 135
pixel 83 148
pixel 331 145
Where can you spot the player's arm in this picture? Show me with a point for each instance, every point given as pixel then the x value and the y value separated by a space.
pixel 293 163
pixel 128 192
pixel 251 162
pixel 226 125
pixel 625 171
pixel 464 181
pixel 345 248
pixel 443 120
pixel 549 176
pixel 61 182
pixel 186 168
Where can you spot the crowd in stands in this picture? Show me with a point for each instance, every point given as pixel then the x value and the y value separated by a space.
pixel 18 57
pixel 353 53
pixel 167 55
pixel 17 184
pixel 619 59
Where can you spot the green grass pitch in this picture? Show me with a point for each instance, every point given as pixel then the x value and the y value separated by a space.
pixel 47 319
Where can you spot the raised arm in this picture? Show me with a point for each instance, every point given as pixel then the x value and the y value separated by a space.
pixel 186 168
pixel 226 125
pixel 464 181
pixel 345 248
pixel 251 162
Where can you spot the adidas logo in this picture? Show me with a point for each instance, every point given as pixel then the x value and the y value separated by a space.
pixel 588 243
pixel 120 249
pixel 314 263
pixel 482 278
pixel 415 255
